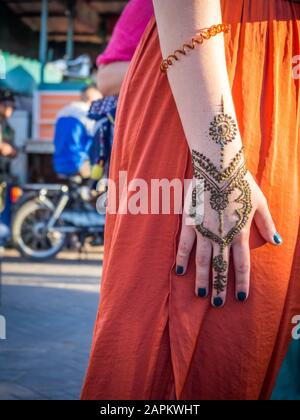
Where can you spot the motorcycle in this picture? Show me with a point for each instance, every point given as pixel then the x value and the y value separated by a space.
pixel 47 217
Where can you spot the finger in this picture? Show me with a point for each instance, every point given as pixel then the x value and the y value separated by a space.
pixel 220 275
pixel 203 264
pixel 266 225
pixel 186 242
pixel 241 258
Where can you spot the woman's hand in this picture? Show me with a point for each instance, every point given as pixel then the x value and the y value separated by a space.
pixel 208 251
pixel 232 200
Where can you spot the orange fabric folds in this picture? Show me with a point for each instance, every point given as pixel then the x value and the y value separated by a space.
pixel 153 338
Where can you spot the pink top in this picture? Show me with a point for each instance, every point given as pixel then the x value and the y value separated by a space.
pixel 127 32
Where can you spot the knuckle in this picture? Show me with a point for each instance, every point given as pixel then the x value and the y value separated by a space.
pixel 183 250
pixel 266 227
pixel 202 260
pixel 269 224
pixel 243 236
pixel 242 267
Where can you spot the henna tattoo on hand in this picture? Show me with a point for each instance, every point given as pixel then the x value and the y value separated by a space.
pixel 223 129
pixel 220 266
pixel 221 183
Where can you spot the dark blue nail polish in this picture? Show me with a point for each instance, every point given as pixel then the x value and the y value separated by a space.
pixel 278 239
pixel 179 270
pixel 242 296
pixel 202 292
pixel 218 302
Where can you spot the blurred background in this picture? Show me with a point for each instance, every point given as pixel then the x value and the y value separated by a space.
pixel 58 100
pixel 51 280
pixel 37 39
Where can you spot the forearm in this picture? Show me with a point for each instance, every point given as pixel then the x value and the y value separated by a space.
pixel 199 80
pixel 110 77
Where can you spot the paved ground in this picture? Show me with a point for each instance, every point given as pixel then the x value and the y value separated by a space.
pixel 50 310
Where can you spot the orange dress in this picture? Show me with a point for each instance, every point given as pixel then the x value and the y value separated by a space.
pixel 153 338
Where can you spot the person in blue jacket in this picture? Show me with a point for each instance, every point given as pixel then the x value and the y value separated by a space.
pixel 73 136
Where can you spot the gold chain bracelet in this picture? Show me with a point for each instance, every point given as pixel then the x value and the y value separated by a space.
pixel 201 36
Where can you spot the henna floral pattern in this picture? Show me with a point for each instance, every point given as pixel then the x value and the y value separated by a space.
pixel 220 267
pixel 219 200
pixel 220 183
pixel 223 129
pixel 219 264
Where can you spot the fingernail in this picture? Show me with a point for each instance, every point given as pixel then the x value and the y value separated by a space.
pixel 242 296
pixel 218 302
pixel 277 239
pixel 202 292
pixel 179 270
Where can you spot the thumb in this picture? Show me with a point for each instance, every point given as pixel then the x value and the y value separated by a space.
pixel 266 225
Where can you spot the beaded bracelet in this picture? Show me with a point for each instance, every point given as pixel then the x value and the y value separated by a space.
pixel 199 38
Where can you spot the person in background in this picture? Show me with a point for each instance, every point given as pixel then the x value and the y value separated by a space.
pixel 7 151
pixel 7 106
pixel 73 136
pixel 112 67
pixel 114 62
